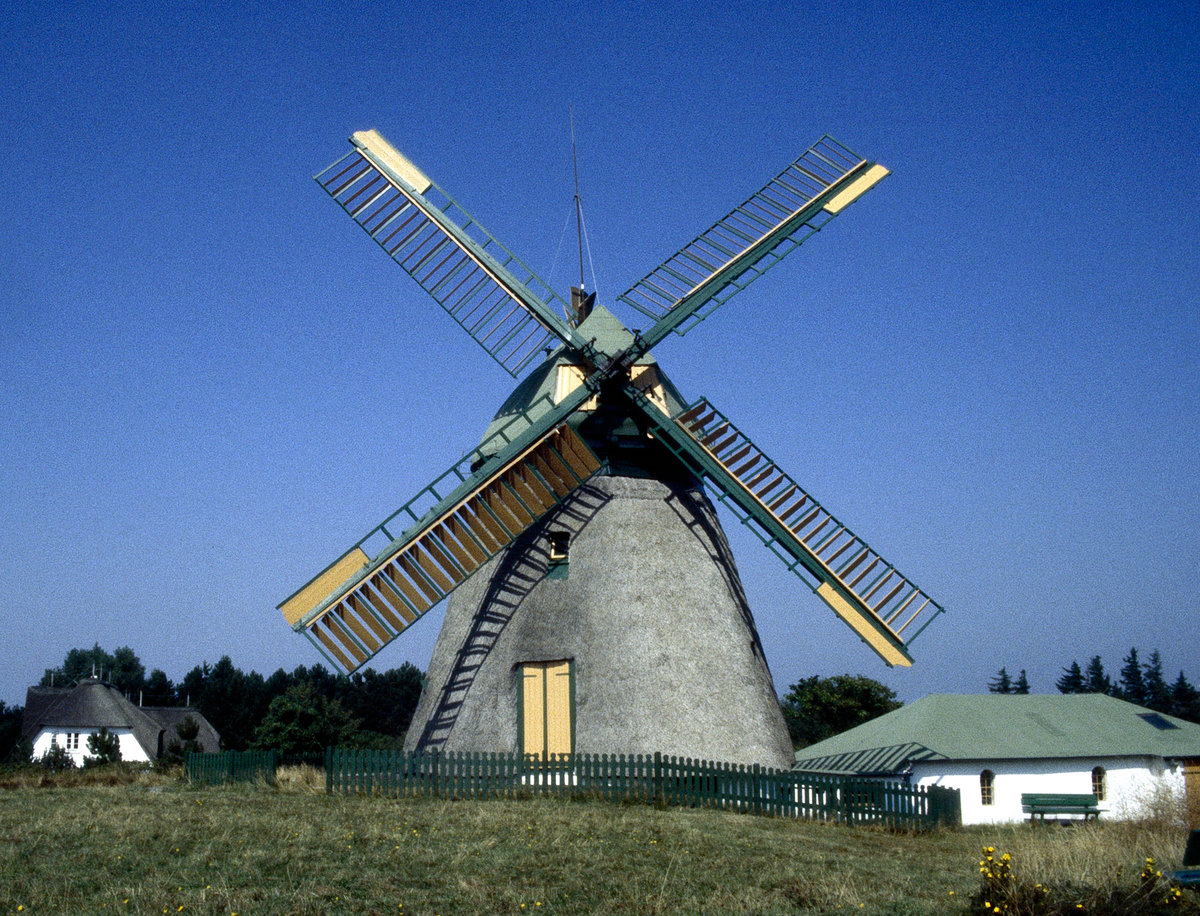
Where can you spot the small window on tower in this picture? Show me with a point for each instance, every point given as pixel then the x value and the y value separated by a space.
pixel 559 550
pixel 560 543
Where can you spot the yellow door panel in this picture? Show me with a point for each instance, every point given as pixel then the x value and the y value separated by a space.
pixel 558 708
pixel 533 686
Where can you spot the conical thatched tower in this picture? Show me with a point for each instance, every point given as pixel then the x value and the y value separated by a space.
pixel 617 624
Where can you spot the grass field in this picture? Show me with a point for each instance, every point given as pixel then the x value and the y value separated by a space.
pixel 153 846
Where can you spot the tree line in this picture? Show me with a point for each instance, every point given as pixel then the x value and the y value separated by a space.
pixel 1138 682
pixel 308 709
pixel 297 711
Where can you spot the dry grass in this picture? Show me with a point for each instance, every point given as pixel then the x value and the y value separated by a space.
pixel 300 780
pixel 121 774
pixel 1103 855
pixel 150 848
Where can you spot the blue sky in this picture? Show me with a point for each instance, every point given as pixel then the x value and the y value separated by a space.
pixel 211 382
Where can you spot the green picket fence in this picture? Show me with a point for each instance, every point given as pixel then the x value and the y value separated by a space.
pixel 228 767
pixel 646 778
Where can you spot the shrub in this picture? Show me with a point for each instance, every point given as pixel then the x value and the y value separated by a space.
pixel 56 759
pixel 180 746
pixel 104 747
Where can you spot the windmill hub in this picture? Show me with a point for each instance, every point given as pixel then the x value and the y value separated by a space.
pixel 594 604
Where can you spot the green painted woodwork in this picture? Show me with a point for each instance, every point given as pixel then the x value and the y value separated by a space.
pixel 454 537
pixel 535 395
pixel 228 767
pixel 795 527
pixel 503 444
pixel 1039 804
pixel 646 778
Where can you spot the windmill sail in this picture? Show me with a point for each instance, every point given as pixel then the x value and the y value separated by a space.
pixel 368 604
pixel 752 238
pixel 868 593
pixel 496 298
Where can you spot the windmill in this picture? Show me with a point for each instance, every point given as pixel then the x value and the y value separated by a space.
pixel 594 602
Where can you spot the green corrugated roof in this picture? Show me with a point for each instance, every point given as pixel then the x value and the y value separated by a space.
pixel 1002 726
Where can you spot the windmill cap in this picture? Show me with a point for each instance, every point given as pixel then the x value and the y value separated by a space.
pixel 534 396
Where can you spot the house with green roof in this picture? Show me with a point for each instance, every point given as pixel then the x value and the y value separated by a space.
pixel 995 747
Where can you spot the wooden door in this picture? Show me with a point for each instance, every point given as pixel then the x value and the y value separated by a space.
pixel 546 708
pixel 1191 779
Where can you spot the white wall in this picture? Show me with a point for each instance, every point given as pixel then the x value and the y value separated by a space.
pixel 130 749
pixel 1132 783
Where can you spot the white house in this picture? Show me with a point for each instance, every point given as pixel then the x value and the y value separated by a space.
pixel 994 747
pixel 66 716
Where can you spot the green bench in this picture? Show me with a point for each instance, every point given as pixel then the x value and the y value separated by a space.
pixel 1189 875
pixel 1039 804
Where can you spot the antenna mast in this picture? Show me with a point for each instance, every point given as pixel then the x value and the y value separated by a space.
pixel 581 302
pixel 578 206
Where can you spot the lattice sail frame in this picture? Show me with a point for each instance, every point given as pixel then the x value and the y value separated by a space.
pixel 859 585
pixel 482 285
pixel 751 238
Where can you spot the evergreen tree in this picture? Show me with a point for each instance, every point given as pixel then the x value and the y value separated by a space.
pixel 103 747
pixel 1072 680
pixel 184 741
pixel 1157 695
pixel 1132 688
pixel 385 701
pixel 1001 683
pixel 1021 685
pixel 1185 700
pixel 158 691
pixel 1094 678
pixel 127 672
pixel 10 733
pixel 56 759
pixel 121 668
pixel 233 701
pixel 191 688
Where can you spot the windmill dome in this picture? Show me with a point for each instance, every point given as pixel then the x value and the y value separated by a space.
pixel 560 373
